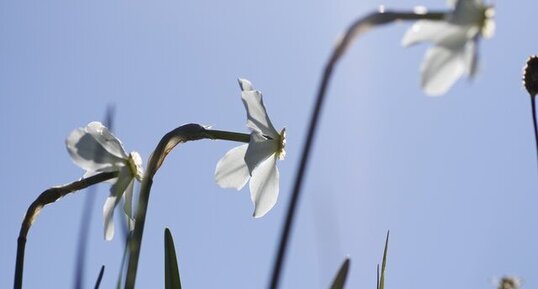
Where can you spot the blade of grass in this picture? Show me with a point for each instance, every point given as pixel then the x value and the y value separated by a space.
pixel 340 279
pixel 171 270
pixel 384 263
pixel 86 219
pixel 100 277
pixel 123 262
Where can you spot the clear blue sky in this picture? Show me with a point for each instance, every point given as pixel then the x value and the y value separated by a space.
pixel 454 178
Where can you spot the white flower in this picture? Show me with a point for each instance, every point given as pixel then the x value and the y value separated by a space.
pixel 95 149
pixel 455 42
pixel 257 159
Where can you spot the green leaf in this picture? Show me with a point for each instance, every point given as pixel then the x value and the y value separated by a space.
pixel 123 261
pixel 171 271
pixel 340 279
pixel 100 277
pixel 381 281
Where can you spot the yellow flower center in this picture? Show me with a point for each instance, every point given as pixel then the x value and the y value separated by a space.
pixel 281 152
pixel 134 162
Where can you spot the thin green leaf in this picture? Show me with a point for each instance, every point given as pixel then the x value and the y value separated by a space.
pixel 340 279
pixel 123 262
pixel 100 277
pixel 171 270
pixel 384 264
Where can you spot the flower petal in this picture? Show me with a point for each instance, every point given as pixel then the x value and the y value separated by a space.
pixel 470 58
pixel 428 31
pixel 264 187
pixel 108 215
pixel 109 142
pixel 231 170
pixel 257 119
pixel 259 149
pixel 116 191
pixel 89 154
pixel 128 205
pixel 441 68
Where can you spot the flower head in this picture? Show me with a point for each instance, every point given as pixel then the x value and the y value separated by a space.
pixel 530 75
pixel 455 42
pixel 257 159
pixel 95 149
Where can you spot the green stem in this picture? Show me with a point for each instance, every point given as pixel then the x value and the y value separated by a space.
pixel 227 135
pixel 357 28
pixel 182 134
pixel 47 197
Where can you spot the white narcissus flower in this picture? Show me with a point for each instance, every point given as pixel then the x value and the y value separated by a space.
pixel 455 42
pixel 257 159
pixel 95 149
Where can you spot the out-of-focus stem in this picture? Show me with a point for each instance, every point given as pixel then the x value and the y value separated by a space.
pixel 357 28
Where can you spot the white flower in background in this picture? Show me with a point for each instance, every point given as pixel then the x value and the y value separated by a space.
pixel 257 159
pixel 95 149
pixel 455 42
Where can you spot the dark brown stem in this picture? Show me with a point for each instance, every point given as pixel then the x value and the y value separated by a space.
pixel 534 122
pixel 47 197
pixel 360 26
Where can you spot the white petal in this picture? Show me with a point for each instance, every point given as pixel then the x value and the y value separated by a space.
pixel 231 170
pixel 470 58
pixel 109 142
pixel 428 31
pixel 116 191
pixel 128 205
pixel 264 187
pixel 441 68
pixel 89 154
pixel 257 119
pixel 108 215
pixel 259 149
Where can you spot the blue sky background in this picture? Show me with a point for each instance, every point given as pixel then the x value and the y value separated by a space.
pixel 454 178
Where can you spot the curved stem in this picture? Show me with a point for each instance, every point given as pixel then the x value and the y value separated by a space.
pixel 182 134
pixel 47 197
pixel 360 26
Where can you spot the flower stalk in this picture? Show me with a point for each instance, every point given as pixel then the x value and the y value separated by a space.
pixel 356 29
pixel 182 134
pixel 47 197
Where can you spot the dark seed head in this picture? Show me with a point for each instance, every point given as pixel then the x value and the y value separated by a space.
pixel 509 283
pixel 530 75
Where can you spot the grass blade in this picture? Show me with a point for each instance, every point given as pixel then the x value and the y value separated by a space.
pixel 384 264
pixel 340 279
pixel 171 270
pixel 100 277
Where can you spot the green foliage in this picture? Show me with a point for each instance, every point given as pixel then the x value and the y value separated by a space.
pixel 100 277
pixel 340 279
pixel 171 270
pixel 381 279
